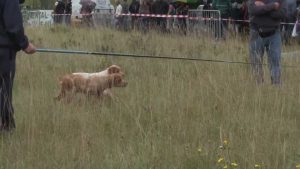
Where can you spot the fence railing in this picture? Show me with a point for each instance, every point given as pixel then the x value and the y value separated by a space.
pixel 197 22
pixel 204 22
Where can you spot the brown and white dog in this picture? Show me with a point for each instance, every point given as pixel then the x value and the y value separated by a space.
pixel 110 70
pixel 97 84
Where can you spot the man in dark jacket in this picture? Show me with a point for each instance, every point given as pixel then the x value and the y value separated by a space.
pixel 161 7
pixel 134 9
pixel 68 12
pixel 12 39
pixel 265 17
pixel 237 15
pixel 59 11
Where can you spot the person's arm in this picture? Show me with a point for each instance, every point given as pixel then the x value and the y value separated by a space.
pixel 13 23
pixel 261 9
pixel 280 13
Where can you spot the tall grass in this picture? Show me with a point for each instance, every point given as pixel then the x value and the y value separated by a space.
pixel 172 115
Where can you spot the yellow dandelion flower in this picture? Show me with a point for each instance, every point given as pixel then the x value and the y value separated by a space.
pixel 220 160
pixel 225 142
pixel 298 166
pixel 225 167
pixel 234 164
pixel 256 166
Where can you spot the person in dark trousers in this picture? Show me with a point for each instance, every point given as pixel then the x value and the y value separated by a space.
pixel 134 9
pixel 87 7
pixel 183 9
pixel 265 18
pixel 12 39
pixel 161 7
pixel 59 11
pixel 125 10
pixel 237 15
pixel 68 12
pixel 206 6
pixel 291 17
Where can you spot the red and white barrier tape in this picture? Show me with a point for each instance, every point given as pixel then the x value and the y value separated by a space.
pixel 157 15
pixel 176 16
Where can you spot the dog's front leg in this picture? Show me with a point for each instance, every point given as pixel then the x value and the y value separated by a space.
pixel 61 95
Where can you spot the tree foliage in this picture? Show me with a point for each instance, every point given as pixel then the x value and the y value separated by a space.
pixel 40 4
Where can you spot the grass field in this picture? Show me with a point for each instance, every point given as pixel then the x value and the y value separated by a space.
pixel 172 115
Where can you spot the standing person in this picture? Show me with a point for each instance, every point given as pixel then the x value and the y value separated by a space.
pixel 144 22
pixel 12 39
pixel 291 17
pixel 224 6
pixel 87 8
pixel 265 17
pixel 134 9
pixel 161 7
pixel 125 10
pixel 118 15
pixel 237 15
pixel 170 21
pixel 183 9
pixel 59 11
pixel 206 6
pixel 68 12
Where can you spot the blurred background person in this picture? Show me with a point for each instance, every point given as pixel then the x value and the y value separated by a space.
pixel 134 9
pixel 59 11
pixel 125 10
pixel 144 22
pixel 161 7
pixel 87 8
pixel 68 12
pixel 118 15
pixel 291 17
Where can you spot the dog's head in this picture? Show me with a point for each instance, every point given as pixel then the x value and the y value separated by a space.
pixel 113 69
pixel 117 80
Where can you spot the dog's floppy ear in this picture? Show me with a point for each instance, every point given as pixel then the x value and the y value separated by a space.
pixel 110 81
pixel 114 69
pixel 117 79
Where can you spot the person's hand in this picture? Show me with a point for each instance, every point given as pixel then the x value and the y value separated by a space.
pixel 259 3
pixel 30 49
pixel 276 5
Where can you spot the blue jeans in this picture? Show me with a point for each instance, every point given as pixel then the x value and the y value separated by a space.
pixel 257 47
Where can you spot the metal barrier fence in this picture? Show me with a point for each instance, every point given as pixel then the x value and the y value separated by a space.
pixel 205 22
pixel 196 23
pixel 100 17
